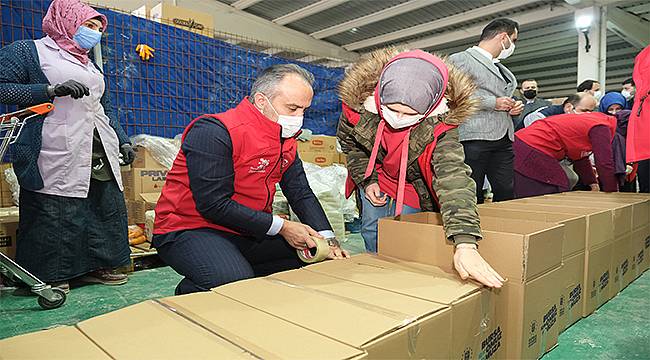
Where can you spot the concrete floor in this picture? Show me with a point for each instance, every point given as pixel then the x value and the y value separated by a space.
pixel 618 330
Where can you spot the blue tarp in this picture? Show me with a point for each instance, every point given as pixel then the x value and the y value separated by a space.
pixel 189 75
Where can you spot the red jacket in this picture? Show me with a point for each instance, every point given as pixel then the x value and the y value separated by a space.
pixel 259 160
pixel 565 135
pixel 638 129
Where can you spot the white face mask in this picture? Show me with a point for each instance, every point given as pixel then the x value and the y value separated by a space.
pixel 399 122
pixel 598 94
pixel 506 52
pixel 290 124
pixel 627 94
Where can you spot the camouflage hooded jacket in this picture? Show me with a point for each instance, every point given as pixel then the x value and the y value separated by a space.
pixel 454 188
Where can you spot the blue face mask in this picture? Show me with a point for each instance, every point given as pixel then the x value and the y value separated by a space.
pixel 86 37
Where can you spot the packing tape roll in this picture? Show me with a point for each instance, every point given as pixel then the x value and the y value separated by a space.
pixel 317 254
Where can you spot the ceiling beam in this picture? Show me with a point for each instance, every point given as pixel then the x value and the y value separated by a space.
pixel 273 51
pixel 243 4
pixel 309 10
pixel 373 18
pixel 437 24
pixel 563 61
pixel 633 29
pixel 569 70
pixel 523 19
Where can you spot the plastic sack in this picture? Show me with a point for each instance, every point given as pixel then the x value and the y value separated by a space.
pixel 10 177
pixel 328 184
pixel 163 150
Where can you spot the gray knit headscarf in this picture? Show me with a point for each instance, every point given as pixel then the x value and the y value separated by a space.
pixel 413 82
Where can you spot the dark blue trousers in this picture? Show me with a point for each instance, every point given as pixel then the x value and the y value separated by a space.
pixel 208 258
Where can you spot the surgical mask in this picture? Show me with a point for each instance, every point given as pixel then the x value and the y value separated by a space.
pixel 399 122
pixel 87 38
pixel 598 94
pixel 290 124
pixel 505 53
pixel 530 94
pixel 627 94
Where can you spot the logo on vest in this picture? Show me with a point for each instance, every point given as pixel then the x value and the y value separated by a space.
pixel 261 166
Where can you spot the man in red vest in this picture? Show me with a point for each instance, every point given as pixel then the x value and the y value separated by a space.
pixel 214 222
pixel 540 147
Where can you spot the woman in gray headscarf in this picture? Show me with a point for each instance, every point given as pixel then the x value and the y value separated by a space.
pixel 398 129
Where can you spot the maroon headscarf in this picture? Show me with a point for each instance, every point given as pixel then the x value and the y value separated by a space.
pixel 62 20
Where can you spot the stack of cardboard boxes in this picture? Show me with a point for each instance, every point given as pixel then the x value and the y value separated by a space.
pixel 320 150
pixel 560 257
pixel 142 185
pixel 367 307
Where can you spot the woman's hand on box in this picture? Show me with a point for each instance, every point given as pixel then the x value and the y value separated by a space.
pixel 470 264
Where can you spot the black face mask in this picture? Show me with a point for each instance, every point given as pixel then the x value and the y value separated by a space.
pixel 530 94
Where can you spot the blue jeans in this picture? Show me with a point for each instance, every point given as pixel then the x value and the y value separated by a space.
pixel 370 214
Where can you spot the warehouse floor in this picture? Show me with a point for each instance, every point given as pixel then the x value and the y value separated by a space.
pixel 618 330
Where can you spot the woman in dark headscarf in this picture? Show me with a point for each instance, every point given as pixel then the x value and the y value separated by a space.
pixel 398 129
pixel 72 212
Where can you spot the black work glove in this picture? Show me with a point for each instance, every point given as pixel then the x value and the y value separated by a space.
pixel 73 88
pixel 128 155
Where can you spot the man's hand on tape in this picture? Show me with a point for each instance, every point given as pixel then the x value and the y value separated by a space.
pixel 470 264
pixel 336 253
pixel 299 235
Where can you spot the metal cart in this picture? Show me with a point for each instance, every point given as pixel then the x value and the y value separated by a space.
pixel 10 128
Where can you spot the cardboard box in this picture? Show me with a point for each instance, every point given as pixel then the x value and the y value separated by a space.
pixel 474 331
pixel 389 329
pixel 59 342
pixel 139 181
pixel 640 250
pixel 622 266
pixel 343 159
pixel 621 213
pixel 528 253
pixel 263 335
pixel 8 229
pixel 641 203
pixel 573 290
pixel 137 209
pixel 320 158
pixel 186 19
pixel 599 222
pixel 530 311
pixel 597 278
pixel 318 143
pixel 518 250
pixel 574 225
pixel 144 160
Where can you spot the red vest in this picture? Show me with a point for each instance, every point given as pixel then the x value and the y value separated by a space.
pixel 565 135
pixel 260 158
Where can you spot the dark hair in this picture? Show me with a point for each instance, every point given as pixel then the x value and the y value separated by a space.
pixel 497 26
pixel 586 85
pixel 628 81
pixel 529 80
pixel 573 99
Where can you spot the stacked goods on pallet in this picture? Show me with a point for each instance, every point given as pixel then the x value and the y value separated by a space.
pixel 320 150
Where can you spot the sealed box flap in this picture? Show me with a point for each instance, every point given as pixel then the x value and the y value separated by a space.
pixel 60 342
pixel 420 281
pixel 168 335
pixel 574 225
pixel 622 212
pixel 150 198
pixel 260 333
pixel 326 315
pixel 353 291
pixel 599 222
